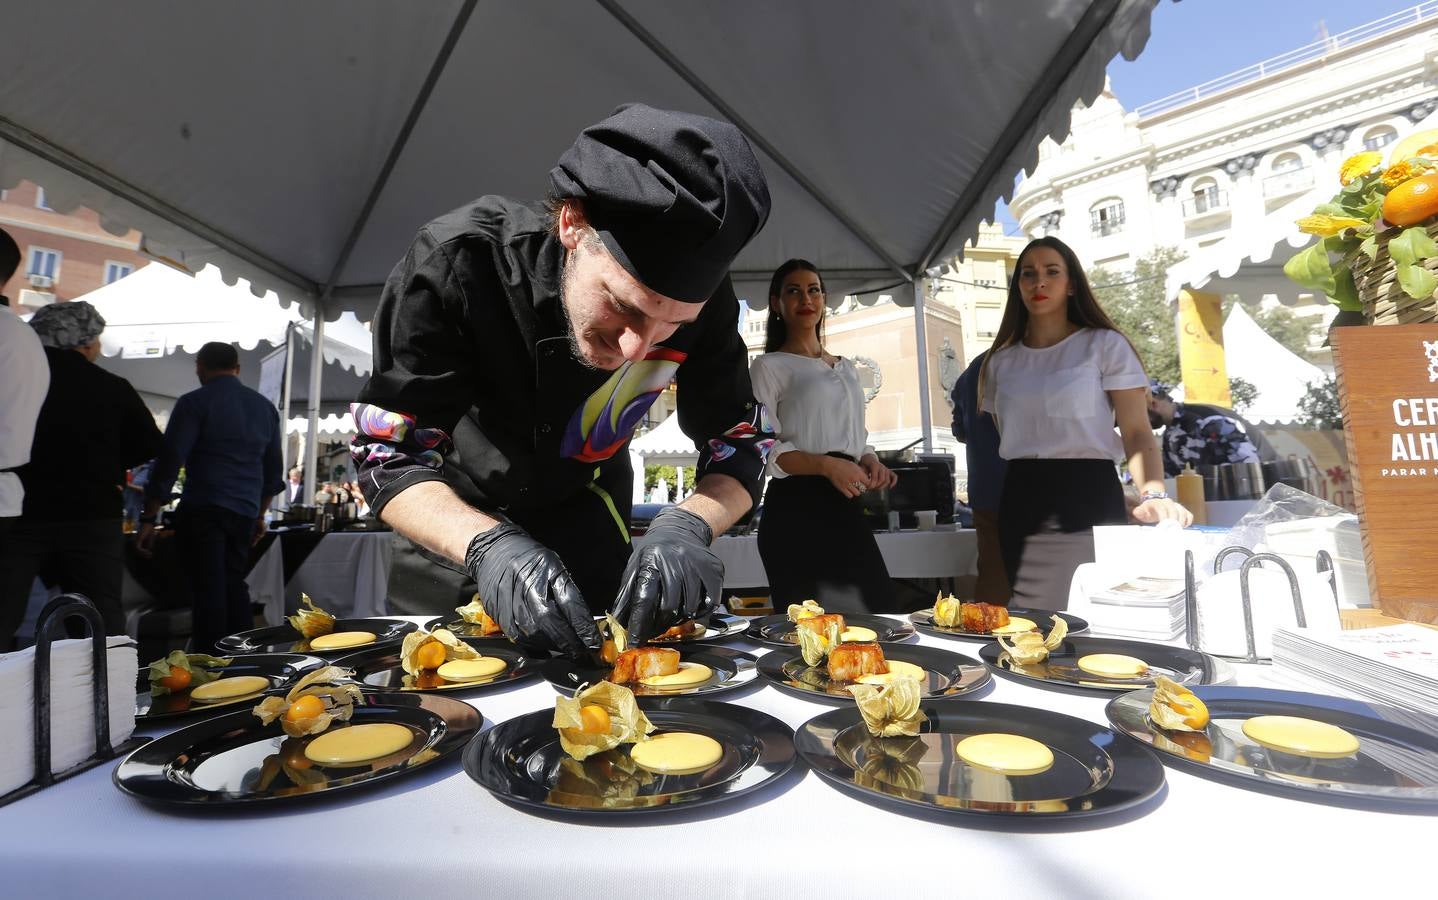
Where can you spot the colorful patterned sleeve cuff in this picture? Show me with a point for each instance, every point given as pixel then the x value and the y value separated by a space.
pixel 741 452
pixel 390 452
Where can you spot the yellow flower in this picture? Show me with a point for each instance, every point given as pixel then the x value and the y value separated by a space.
pixel 1398 173
pixel 1325 226
pixel 1358 165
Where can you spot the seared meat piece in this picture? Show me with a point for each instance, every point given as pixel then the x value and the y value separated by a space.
pixel 644 662
pixel 849 661
pixel 982 617
pixel 818 624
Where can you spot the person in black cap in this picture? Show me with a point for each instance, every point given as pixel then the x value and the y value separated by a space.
pixel 516 348
pixel 1203 434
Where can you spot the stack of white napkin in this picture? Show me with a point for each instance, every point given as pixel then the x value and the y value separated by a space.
pixel 1148 609
pixel 1394 664
pixel 72 717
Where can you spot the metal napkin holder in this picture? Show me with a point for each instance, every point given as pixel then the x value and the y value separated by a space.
pixel 56 612
pixel 1323 563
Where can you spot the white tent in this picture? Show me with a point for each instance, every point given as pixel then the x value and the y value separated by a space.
pixel 666 445
pixel 157 318
pixel 1249 262
pixel 1280 376
pixel 300 145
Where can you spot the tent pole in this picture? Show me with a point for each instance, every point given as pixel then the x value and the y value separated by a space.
pixel 317 362
pixel 921 348
pixel 285 398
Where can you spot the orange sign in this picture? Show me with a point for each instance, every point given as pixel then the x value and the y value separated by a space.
pixel 1388 389
pixel 1200 348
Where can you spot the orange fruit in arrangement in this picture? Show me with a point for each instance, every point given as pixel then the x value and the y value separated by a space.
pixel 594 719
pixel 430 656
pixel 306 707
pixel 177 680
pixel 1412 201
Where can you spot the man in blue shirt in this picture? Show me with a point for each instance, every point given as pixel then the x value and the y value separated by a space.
pixel 228 439
pixel 986 481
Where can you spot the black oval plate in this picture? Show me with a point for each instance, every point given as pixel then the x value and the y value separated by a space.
pixel 282 669
pixel 221 762
pixel 1094 773
pixel 778 631
pixel 1396 765
pixel 379 669
pixel 284 638
pixel 520 760
pixel 719 627
pixel 949 674
pixel 1061 672
pixel 464 629
pixel 733 670
pixel 924 621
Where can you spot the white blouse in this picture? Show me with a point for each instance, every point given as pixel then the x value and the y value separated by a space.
pixel 812 407
pixel 1052 403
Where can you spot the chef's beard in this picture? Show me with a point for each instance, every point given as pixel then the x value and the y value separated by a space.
pixel 575 352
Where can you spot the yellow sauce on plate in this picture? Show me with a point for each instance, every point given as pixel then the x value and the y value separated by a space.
pixel 228 688
pixel 689 674
pixel 1017 625
pixel 897 669
pixel 858 633
pixel 1007 754
pixel 1304 737
pixel 677 753
pixel 358 743
pixel 1112 665
pixel 338 640
pixel 471 669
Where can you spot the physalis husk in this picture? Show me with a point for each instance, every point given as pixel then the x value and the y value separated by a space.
pixel 330 685
pixel 806 610
pixel 890 709
pixel 616 639
pixel 627 722
pixel 415 657
pixel 198 666
pixel 1176 708
pixel 814 646
pixel 311 622
pixel 893 764
pixel 1028 649
pixel 946 611
pixel 473 613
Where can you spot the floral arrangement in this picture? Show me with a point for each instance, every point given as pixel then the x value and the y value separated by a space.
pixel 1374 200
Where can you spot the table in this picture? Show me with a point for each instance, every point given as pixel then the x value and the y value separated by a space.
pixel 345 573
pixel 944 552
pixel 437 832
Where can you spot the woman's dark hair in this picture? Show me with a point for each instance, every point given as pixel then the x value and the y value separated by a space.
pixel 777 332
pixel 1083 307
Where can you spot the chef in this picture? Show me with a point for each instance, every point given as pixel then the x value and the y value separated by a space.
pixel 516 348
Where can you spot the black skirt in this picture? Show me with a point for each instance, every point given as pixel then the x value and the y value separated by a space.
pixel 816 544
pixel 1046 518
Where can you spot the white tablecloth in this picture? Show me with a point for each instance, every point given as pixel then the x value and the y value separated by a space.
pixel 346 574
pixel 907 554
pixel 438 834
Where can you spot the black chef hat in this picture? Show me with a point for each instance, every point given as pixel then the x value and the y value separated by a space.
pixel 674 196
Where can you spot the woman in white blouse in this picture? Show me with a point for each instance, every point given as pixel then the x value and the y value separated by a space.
pixel 1059 378
pixel 813 537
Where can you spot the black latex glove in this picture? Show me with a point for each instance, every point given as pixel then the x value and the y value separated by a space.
pixel 528 591
pixel 672 576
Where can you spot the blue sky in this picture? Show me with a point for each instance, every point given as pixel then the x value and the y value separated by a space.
pixel 1196 40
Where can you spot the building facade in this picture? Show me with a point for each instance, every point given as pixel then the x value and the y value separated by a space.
pixel 1190 170
pixel 63 256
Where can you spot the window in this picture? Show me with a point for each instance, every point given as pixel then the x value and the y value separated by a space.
pixel 1380 137
pixel 114 271
pixel 1206 198
pixel 44 263
pixel 1106 216
pixel 1287 162
pixel 40 198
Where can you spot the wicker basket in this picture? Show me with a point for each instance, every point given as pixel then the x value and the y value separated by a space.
pixel 1384 302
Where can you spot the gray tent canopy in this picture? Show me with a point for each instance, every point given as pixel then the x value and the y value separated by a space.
pixel 301 145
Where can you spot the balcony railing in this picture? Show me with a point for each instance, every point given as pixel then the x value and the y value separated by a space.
pixel 1204 204
pixel 1106 227
pixel 1293 181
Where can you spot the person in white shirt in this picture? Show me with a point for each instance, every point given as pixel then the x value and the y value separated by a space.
pixel 813 538
pixel 1059 378
pixel 24 382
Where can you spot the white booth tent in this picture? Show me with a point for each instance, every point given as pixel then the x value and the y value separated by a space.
pixel 157 318
pixel 300 145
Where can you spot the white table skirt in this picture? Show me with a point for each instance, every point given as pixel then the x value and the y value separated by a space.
pixel 438 832
pixel 907 554
pixel 347 574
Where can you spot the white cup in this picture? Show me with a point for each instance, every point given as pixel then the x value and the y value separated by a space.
pixel 926 519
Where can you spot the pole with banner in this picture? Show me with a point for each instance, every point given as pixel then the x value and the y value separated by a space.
pixel 275 385
pixel 1200 349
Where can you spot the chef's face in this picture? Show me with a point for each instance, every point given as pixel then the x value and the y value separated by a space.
pixel 1044 282
pixel 613 318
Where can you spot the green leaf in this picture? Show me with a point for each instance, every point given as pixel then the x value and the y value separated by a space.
pixel 1412 245
pixel 1417 282
pixel 1310 267
pixel 1369 247
pixel 1346 293
pixel 1328 209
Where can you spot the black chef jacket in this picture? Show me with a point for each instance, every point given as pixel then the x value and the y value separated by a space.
pixel 475 384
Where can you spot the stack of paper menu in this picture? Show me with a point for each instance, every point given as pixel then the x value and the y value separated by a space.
pixel 1395 664
pixel 1148 609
